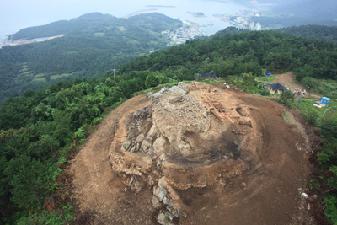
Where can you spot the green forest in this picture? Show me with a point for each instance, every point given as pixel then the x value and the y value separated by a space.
pixel 228 53
pixel 92 44
pixel 315 32
pixel 39 131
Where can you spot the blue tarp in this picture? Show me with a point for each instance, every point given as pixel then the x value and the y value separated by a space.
pixel 268 74
pixel 324 101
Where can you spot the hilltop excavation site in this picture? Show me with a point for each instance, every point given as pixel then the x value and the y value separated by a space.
pixel 194 154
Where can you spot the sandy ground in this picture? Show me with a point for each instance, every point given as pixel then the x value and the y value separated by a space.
pixel 266 194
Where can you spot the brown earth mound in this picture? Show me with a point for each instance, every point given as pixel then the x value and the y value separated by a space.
pixel 194 154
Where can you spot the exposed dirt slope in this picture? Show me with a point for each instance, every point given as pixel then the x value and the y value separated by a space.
pixel 289 81
pixel 97 190
pixel 194 154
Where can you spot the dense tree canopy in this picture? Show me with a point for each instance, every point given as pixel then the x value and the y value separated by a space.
pixel 229 53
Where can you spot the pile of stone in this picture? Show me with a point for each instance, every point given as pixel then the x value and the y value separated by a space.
pixel 176 143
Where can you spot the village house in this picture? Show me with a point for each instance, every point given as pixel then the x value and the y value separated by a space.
pixel 275 88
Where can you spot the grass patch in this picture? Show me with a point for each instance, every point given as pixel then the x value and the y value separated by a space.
pixel 247 82
pixel 39 75
pixel 288 117
pixel 325 87
pixel 60 76
pixel 39 79
pixel 213 81
pixel 265 80
pixel 312 114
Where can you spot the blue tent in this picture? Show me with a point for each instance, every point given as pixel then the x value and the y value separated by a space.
pixel 268 73
pixel 324 101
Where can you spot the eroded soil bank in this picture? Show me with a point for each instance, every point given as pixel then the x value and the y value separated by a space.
pixel 194 154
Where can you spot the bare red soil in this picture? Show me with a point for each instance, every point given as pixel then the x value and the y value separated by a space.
pixel 260 186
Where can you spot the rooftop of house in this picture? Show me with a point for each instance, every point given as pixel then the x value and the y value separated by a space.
pixel 211 74
pixel 276 86
pixel 325 98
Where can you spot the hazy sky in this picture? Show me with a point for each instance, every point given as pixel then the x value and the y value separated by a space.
pixel 17 14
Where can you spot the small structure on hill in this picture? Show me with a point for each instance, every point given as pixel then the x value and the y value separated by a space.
pixel 226 85
pixel 206 75
pixel 268 74
pixel 323 102
pixel 276 88
pixel 299 93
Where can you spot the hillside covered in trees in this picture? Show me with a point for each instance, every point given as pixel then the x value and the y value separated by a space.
pixel 40 130
pixel 315 32
pixel 233 51
pixel 97 43
pixel 91 45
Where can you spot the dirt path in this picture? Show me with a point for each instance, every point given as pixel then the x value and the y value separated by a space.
pixel 267 194
pixel 289 81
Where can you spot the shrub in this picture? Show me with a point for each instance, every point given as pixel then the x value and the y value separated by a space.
pixel 331 208
pixel 287 98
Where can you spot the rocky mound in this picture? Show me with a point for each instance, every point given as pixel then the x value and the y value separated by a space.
pixel 194 154
pixel 184 140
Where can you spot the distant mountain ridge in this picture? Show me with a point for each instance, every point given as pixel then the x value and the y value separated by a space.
pixel 95 43
pixel 96 22
pixel 311 32
pixel 86 46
